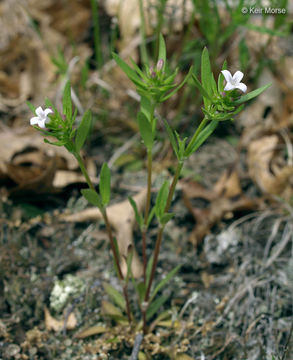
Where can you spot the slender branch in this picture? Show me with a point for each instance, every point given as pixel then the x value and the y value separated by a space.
pixel 148 197
pixel 125 293
pixel 112 244
pixel 109 233
pixel 147 210
pixel 159 239
pixel 84 171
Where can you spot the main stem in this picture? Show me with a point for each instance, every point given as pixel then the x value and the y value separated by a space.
pixel 159 240
pixel 148 197
pixel 147 210
pixel 109 233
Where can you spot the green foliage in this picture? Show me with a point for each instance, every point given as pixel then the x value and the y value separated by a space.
pixel 67 103
pixel 115 296
pixel 105 184
pixel 83 130
pixel 165 281
pixel 60 62
pixel 145 129
pixel 92 197
pixel 138 216
pixel 160 205
pixel 251 95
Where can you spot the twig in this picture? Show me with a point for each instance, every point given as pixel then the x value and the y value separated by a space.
pixel 136 346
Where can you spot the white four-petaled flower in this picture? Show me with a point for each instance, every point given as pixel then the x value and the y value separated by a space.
pixel 42 117
pixel 233 82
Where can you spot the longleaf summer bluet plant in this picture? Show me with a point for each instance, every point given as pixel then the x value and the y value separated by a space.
pixel 155 84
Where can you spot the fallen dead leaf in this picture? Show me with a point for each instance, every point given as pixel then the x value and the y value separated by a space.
pixel 34 165
pixel 266 167
pixel 217 204
pixel 56 325
pixel 228 184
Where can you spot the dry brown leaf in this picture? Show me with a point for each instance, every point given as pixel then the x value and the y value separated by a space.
pixel 265 169
pixel 122 218
pixel 56 325
pixel 228 184
pixel 63 178
pixel 32 164
pixel 217 208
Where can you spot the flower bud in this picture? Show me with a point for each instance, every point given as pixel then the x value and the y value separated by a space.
pixel 160 64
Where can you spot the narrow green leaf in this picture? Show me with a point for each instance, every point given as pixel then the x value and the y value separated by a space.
pixel 138 216
pixel 163 282
pixel 83 130
pixel 162 50
pixel 206 75
pixel 67 102
pixel 115 296
pixel 181 145
pixel 171 138
pixel 154 306
pixel 31 106
pixel 221 78
pixel 251 95
pixel 56 143
pixel 213 84
pixel 141 291
pixel 204 134
pixel 145 129
pixel 178 87
pixel 112 311
pixel 151 215
pixel 92 197
pixel 200 88
pixel 48 103
pixel 132 75
pixel 105 184
pixel 161 200
pixel 146 107
pixel 165 218
pixel 129 262
pixel 138 70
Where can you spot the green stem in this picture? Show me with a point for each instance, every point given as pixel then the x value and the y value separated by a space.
pixel 159 239
pixel 149 190
pixel 109 233
pixel 147 210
